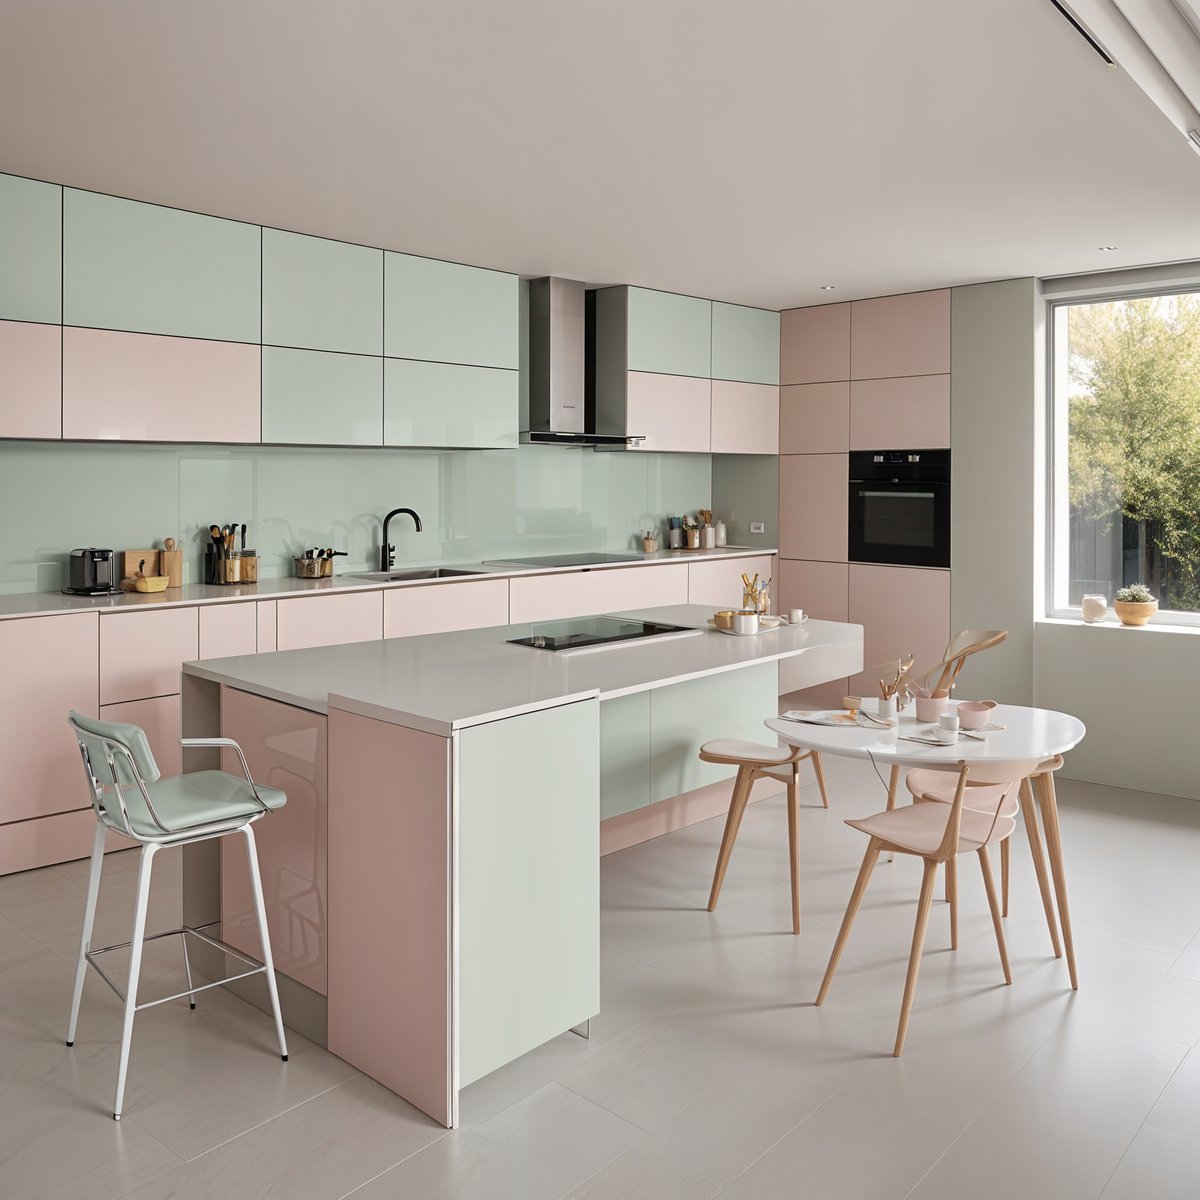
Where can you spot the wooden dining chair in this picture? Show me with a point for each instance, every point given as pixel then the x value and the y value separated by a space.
pixel 756 762
pixel 943 675
pixel 937 834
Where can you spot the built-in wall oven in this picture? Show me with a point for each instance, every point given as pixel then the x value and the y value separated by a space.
pixel 900 507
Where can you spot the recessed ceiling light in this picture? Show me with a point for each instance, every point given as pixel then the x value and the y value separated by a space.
pixel 828 287
pixel 1108 247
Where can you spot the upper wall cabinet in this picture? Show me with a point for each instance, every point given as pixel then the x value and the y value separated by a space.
pixel 447 404
pixel 30 250
pixel 319 294
pixel 448 313
pixel 814 344
pixel 146 269
pixel 900 335
pixel 668 333
pixel 745 344
pixel 313 397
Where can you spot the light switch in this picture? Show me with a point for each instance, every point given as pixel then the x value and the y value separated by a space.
pixel 757 527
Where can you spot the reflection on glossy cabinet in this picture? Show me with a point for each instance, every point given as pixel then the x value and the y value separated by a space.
pixel 814 344
pixel 285 748
pixel 745 343
pixel 901 335
pixel 331 620
pixel 228 629
pixel 49 668
pixel 149 269
pixel 581 593
pixel 30 250
pixel 30 380
pixel 140 388
pixel 443 607
pixel 668 333
pixel 443 404
pixel 814 506
pixel 319 294
pixel 314 398
pixel 745 418
pixel 718 581
pixel 159 718
pixel 670 412
pixel 912 411
pixel 141 652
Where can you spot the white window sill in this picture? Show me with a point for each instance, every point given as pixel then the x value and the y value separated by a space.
pixel 1156 625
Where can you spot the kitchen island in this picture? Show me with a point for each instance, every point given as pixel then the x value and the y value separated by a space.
pixel 433 883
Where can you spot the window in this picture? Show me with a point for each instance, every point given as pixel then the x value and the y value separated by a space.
pixel 1125 449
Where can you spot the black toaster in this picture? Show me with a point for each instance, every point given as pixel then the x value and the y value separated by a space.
pixel 90 572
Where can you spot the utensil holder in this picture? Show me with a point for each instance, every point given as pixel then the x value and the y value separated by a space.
pixel 223 570
pixel 171 565
pixel 313 568
pixel 675 538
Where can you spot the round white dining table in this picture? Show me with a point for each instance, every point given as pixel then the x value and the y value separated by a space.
pixel 1028 734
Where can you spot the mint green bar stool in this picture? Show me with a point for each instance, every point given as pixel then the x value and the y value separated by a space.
pixel 131 798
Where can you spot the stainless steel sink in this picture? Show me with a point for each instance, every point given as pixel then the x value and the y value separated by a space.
pixel 415 573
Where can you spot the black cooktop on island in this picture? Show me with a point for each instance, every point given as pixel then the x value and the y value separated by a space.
pixel 587 559
pixel 593 631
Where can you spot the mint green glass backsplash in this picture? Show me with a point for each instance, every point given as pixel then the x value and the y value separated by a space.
pixel 474 504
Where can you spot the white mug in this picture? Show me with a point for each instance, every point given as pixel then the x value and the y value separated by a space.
pixel 887 709
pixel 796 616
pixel 745 622
pixel 947 728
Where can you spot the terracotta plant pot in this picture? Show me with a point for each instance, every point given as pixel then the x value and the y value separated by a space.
pixel 1132 613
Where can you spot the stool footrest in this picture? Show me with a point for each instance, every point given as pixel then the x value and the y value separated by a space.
pixel 257 968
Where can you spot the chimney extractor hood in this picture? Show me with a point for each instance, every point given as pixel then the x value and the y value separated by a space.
pixel 559 410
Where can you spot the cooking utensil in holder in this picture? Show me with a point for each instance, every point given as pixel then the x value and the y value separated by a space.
pixel 224 569
pixel 313 568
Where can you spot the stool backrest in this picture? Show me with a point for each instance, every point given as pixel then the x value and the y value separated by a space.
pixel 119 763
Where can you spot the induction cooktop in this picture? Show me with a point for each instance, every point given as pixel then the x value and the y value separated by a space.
pixel 587 632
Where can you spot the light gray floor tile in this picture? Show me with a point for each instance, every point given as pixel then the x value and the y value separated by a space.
pixel 1158 1164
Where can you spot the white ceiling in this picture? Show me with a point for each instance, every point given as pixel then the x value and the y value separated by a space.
pixel 750 150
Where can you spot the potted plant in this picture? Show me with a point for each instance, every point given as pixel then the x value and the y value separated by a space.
pixel 1134 604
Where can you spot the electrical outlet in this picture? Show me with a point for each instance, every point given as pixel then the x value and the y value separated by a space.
pixel 757 527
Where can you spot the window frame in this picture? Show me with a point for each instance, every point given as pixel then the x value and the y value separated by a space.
pixel 1056 433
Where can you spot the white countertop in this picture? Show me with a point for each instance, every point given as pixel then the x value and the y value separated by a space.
pixel 439 683
pixel 44 604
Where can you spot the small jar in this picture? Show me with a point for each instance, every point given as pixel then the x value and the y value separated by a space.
pixel 722 533
pixel 693 539
pixel 675 537
pixel 1095 608
pixel 710 537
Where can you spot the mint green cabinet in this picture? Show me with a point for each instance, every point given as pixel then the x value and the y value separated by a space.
pixel 449 313
pixel 733 704
pixel 668 333
pixel 745 344
pixel 310 397
pixel 319 294
pixel 30 250
pixel 147 269
pixel 443 404
pixel 624 754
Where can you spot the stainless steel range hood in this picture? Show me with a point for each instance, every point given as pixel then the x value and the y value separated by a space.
pixel 558 409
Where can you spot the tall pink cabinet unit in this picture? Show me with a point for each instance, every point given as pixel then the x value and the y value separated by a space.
pixel 865 375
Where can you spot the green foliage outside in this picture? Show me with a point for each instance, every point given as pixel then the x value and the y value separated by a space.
pixel 1134 368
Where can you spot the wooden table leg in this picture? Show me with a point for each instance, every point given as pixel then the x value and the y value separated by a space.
pixel 1048 803
pixel 1034 836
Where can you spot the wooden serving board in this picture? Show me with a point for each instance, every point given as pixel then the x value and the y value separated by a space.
pixel 131 558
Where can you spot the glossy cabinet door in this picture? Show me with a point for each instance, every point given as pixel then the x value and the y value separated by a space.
pixel 821 589
pixel 900 335
pixel 50 667
pixel 910 411
pixel 814 506
pixel 30 380
pixel 670 412
pixel 669 333
pixel 583 593
pixel 332 620
pixel 624 754
pixel 718 581
pixel 745 343
pixel 149 269
pixel 266 618
pixel 443 404
pixel 814 418
pixel 161 720
pixel 450 313
pixel 315 398
pixel 228 629
pixel 444 607
pixel 745 418
pixel 30 250
pixel 141 652
pixel 814 344
pixel 319 294
pixel 136 387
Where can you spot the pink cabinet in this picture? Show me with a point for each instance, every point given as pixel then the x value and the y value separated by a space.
pixel 672 412
pixel 228 629
pixel 60 838
pixel 813 506
pixel 583 593
pixel 903 610
pixel 141 652
pixel 266 615
pixel 144 388
pixel 821 589
pixel 912 411
pixel 330 620
pixel 443 607
pixel 900 335
pixel 49 668
pixel 160 719
pixel 745 418
pixel 285 748
pixel 814 418
pixel 814 344
pixel 718 581
pixel 30 380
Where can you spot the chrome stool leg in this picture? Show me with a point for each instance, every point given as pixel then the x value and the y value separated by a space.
pixel 187 967
pixel 260 910
pixel 135 966
pixel 89 919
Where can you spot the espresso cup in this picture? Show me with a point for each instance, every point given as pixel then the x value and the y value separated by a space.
pixel 796 616
pixel 947 728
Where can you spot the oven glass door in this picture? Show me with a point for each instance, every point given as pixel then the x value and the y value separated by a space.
pixel 900 523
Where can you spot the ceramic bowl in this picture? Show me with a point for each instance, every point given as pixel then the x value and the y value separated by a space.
pixel 723 620
pixel 151 583
pixel 929 708
pixel 975 714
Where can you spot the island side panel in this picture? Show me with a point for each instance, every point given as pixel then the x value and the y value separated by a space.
pixel 528 882
pixel 389 922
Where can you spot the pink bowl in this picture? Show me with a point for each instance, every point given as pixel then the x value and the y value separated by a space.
pixel 975 714
pixel 929 708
